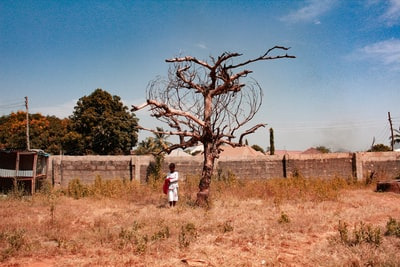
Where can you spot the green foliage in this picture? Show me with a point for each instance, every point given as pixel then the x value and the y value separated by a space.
pixel 76 189
pixel 163 233
pixel 153 145
pixel 396 136
pixel 379 148
pixel 187 235
pixel 11 242
pixel 101 125
pixel 271 142
pixel 257 148
pixel 393 227
pixel 114 188
pixel 227 227
pixel 132 237
pixel 323 149
pixel 228 177
pixel 362 233
pixel 284 218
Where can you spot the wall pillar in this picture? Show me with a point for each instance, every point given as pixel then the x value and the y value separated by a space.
pixel 357 166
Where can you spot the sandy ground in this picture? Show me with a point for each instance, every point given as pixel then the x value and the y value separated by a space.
pixel 247 232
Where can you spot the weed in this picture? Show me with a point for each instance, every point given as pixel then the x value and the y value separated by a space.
pixel 187 235
pixel 12 242
pixel 392 227
pixel 163 233
pixel 76 189
pixel 227 227
pixel 131 236
pixel 284 218
pixel 362 233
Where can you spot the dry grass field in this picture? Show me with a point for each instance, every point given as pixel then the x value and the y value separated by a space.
pixel 279 222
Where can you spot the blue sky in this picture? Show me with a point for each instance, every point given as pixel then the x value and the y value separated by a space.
pixel 336 93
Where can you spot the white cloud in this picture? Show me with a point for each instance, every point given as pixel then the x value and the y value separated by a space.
pixel 386 52
pixel 61 111
pixel 392 14
pixel 310 12
pixel 201 45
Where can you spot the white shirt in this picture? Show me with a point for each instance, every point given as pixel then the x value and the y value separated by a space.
pixel 173 179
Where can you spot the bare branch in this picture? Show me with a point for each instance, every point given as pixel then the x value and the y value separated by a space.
pixel 264 57
pixel 250 131
pixel 171 112
pixel 139 107
pixel 182 133
pixel 188 59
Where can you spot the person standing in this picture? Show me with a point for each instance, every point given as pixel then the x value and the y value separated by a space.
pixel 173 177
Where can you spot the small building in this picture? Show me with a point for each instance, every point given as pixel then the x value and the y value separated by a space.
pixel 24 169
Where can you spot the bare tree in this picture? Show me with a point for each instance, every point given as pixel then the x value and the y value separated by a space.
pixel 207 102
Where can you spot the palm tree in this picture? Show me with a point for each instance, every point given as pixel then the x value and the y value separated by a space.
pixel 153 145
pixel 396 136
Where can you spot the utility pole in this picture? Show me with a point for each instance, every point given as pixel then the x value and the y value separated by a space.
pixel 27 124
pixel 391 132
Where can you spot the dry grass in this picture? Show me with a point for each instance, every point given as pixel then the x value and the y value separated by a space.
pixel 289 222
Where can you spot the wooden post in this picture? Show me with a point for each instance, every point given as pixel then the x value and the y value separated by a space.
pixel 16 171
pixel 35 158
pixel 391 132
pixel 27 124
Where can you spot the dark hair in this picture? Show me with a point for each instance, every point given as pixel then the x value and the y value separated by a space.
pixel 172 165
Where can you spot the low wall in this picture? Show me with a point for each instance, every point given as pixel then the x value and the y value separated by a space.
pixel 380 165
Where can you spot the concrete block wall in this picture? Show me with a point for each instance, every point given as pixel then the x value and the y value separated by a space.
pixel 380 165
pixel 185 165
pixel 252 167
pixel 328 165
pixel 63 169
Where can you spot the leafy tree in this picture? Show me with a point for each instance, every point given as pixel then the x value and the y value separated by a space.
pixel 323 149
pixel 153 145
pixel 396 136
pixel 207 102
pixel 379 148
pixel 101 124
pixel 44 132
pixel 257 148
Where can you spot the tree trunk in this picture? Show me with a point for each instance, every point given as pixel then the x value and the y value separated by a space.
pixel 208 166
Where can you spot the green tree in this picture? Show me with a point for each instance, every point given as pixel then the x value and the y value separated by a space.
pixel 45 133
pixel 396 136
pixel 271 142
pixel 153 145
pixel 101 124
pixel 257 148
pixel 323 149
pixel 379 148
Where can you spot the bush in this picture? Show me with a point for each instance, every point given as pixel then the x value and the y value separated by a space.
pixel 393 227
pixel 187 235
pixel 362 233
pixel 76 189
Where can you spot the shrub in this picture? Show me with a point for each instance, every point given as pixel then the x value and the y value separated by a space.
pixel 163 233
pixel 12 242
pixel 284 218
pixel 362 233
pixel 187 235
pixel 76 189
pixel 393 227
pixel 227 227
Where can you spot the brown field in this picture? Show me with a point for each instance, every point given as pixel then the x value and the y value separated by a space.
pixel 279 222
